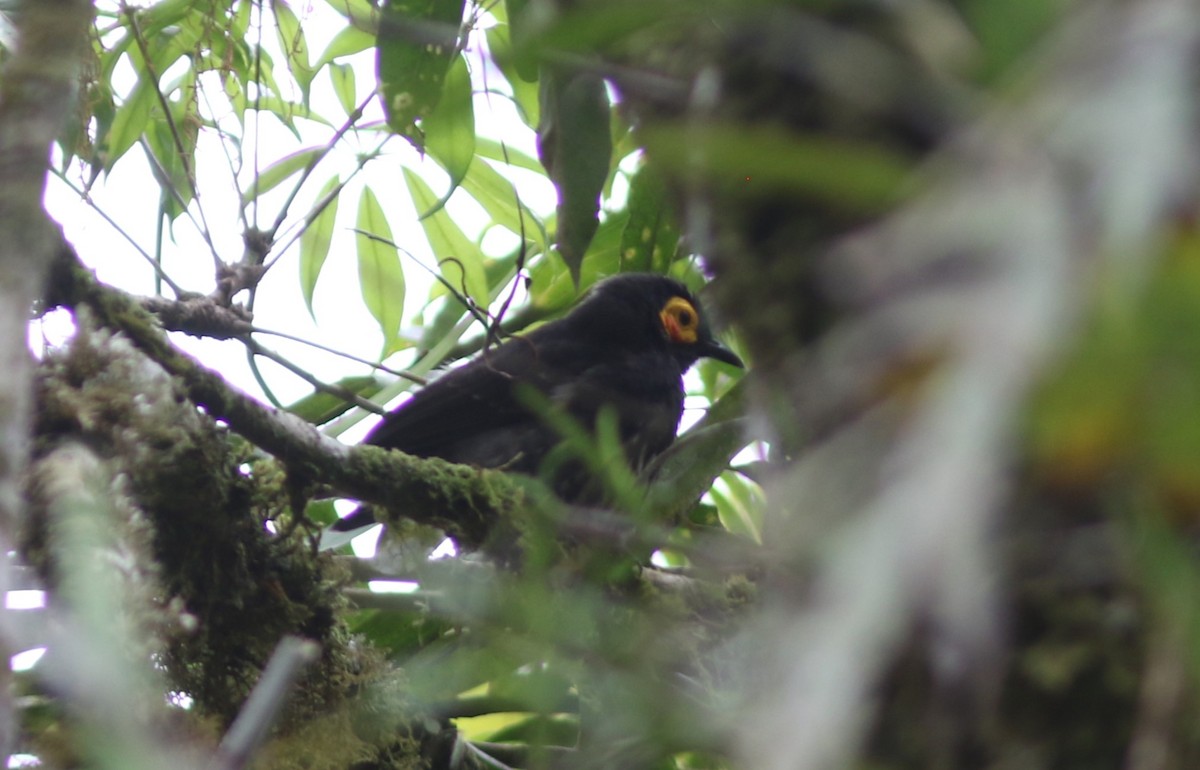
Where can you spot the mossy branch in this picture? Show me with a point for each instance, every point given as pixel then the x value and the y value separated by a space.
pixel 465 502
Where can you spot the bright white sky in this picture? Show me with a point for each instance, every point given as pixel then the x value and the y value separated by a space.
pixel 129 196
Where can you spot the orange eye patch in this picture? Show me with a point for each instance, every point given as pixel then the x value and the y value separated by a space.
pixel 680 320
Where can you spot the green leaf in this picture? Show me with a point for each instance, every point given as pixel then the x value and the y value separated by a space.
pixel 525 92
pixel 293 44
pixel 501 201
pixel 344 86
pixel 360 13
pixel 287 112
pixel 379 270
pixel 400 633
pixel 321 512
pixel 460 260
pixel 762 161
pixel 315 240
pixel 416 44
pixel 651 236
pixel 172 147
pixel 450 130
pixel 348 42
pixel 280 170
pixel 320 407
pixel 507 155
pixel 740 507
pixel 575 146
pixel 525 61
pixel 130 120
pixel 553 288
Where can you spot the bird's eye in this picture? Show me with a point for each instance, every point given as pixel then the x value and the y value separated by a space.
pixel 679 320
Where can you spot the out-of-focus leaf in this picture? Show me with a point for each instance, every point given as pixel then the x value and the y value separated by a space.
pixel 524 56
pixel 540 689
pixel 442 670
pixel 416 44
pixel 739 505
pixel 459 259
pixel 525 91
pixel 575 146
pixel 314 243
pixel 685 471
pixel 344 86
pixel 321 512
pixel 589 27
pixel 536 729
pixel 400 633
pixel 762 161
pixel 379 270
pixel 320 407
pixel 277 172
pixel 1006 33
pixel 651 236
pixel 450 130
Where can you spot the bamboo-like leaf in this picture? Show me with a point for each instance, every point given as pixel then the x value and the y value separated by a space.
pixel 379 270
pixel 130 120
pixel 280 170
pixel 292 41
pixel 344 86
pixel 525 92
pixel 314 243
pixel 460 260
pixel 575 145
pixel 348 42
pixel 450 130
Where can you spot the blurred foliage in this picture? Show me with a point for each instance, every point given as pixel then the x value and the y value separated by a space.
pixel 969 282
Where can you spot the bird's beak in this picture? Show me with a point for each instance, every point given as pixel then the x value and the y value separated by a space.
pixel 711 348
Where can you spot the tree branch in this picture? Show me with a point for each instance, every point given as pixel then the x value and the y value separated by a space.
pixel 465 502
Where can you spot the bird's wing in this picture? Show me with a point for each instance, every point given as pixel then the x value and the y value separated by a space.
pixel 470 402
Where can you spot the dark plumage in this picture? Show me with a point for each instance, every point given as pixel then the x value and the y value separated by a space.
pixel 627 344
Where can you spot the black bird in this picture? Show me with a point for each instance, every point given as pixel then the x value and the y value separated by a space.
pixel 625 346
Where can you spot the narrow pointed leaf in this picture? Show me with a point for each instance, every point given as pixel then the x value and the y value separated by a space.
pixel 575 146
pixel 280 170
pixel 379 270
pixel 344 86
pixel 314 243
pixel 293 43
pixel 460 260
pixel 450 130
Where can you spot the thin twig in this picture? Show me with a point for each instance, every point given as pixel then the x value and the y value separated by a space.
pixel 86 198
pixel 334 390
pixel 348 356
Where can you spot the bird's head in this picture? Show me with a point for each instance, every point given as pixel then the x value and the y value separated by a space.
pixel 653 310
